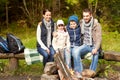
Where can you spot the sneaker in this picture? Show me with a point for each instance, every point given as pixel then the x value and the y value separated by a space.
pixel 78 75
pixel 88 73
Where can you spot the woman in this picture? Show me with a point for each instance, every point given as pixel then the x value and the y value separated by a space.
pixel 44 37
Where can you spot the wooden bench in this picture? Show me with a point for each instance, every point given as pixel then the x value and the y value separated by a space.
pixel 13 59
pixel 111 56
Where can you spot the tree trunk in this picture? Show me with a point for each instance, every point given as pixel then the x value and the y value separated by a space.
pixel 42 8
pixel 7 14
pixel 94 13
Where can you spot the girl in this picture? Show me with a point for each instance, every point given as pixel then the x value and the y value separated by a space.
pixel 61 41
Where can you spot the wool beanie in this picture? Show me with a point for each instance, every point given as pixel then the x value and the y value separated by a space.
pixel 73 18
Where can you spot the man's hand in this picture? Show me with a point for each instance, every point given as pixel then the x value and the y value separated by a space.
pixel 94 51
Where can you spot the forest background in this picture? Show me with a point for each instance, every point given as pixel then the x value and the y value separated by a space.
pixel 21 17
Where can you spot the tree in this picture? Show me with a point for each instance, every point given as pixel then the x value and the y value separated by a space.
pixel 92 4
pixel 4 12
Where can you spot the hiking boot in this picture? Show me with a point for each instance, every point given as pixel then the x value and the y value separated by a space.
pixel 88 73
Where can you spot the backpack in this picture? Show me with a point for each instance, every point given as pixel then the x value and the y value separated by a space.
pixel 3 45
pixel 15 44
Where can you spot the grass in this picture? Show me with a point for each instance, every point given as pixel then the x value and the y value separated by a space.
pixel 23 69
pixel 110 42
pixel 36 69
pixel 28 37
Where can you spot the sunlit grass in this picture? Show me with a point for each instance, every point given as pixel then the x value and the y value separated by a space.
pixel 28 38
pixel 111 41
pixel 34 69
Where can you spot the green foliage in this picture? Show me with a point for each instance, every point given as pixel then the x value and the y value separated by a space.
pixel 72 2
pixel 107 68
pixel 92 2
pixel 109 16
pixel 110 41
pixel 2 2
pixel 109 11
pixel 64 19
pixel 2 67
pixel 27 36
pixel 24 69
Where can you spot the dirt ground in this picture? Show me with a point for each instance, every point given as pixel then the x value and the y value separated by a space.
pixel 20 77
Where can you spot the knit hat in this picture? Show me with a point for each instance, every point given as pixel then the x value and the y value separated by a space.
pixel 73 18
pixel 60 22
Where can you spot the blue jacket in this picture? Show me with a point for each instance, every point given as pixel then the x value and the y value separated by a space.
pixel 75 35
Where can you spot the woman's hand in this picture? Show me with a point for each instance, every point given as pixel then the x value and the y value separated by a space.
pixel 55 34
pixel 48 51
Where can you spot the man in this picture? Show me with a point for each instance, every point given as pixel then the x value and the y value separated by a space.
pixel 91 32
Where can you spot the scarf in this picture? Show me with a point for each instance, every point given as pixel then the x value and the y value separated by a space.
pixel 87 30
pixel 48 27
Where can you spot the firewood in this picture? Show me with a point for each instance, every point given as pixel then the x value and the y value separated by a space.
pixel 111 55
pixel 63 68
pixel 64 72
pixel 50 68
pixel 49 77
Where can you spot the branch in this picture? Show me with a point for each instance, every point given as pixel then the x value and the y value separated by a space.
pixel 24 2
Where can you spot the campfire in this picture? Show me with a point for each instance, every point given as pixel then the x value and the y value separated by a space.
pixel 59 71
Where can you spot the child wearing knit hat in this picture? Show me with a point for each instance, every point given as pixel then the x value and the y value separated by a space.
pixel 73 18
pixel 74 31
pixel 73 21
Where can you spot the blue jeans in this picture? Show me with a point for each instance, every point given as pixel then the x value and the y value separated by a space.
pixel 46 57
pixel 67 58
pixel 81 51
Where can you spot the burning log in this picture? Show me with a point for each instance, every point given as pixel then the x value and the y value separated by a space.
pixel 63 70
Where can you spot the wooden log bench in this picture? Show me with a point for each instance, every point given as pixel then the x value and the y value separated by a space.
pixel 13 59
pixel 111 56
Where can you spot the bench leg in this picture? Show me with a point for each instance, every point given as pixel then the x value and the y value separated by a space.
pixel 13 64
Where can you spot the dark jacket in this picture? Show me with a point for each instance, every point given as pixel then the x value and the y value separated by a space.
pixel 44 33
pixel 75 36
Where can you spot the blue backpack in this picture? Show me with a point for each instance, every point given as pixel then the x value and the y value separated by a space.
pixel 3 45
